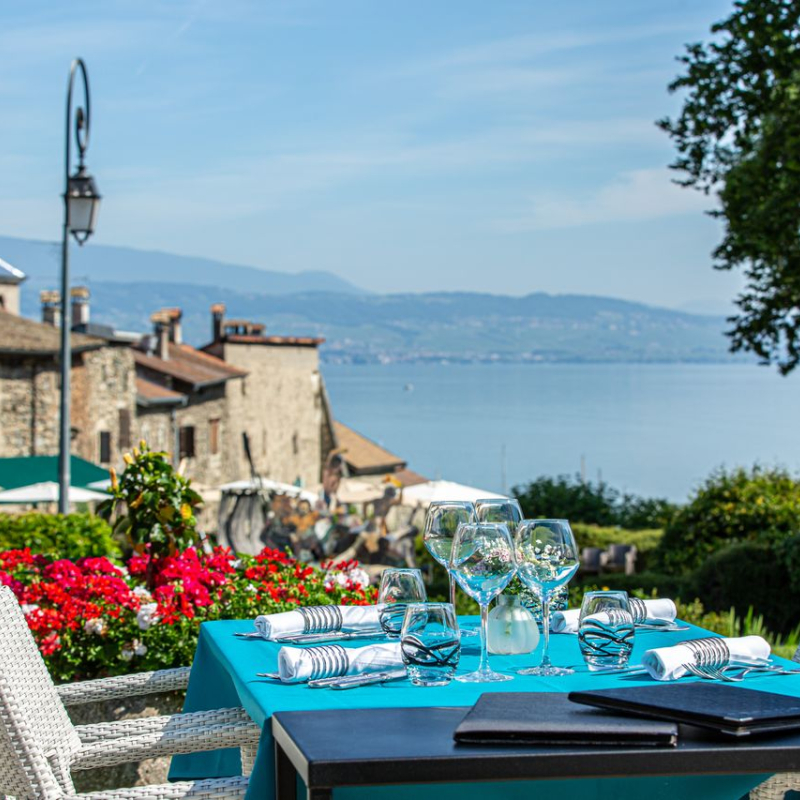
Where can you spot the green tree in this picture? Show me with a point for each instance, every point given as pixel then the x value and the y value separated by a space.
pixel 738 137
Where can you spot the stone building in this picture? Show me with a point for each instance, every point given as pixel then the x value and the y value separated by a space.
pixel 102 392
pixel 200 405
pixel 183 397
pixel 281 403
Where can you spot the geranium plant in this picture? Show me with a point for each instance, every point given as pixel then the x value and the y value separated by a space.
pixel 92 617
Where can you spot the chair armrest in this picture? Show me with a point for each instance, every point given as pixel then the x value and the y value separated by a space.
pixel 211 789
pixel 105 731
pixel 166 742
pixel 164 680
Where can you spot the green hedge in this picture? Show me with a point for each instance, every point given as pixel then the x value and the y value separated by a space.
pixel 746 575
pixel 61 535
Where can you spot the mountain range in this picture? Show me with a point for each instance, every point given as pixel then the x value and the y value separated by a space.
pixel 127 285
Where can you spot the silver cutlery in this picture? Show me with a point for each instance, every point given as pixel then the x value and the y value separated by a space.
pixel 352 681
pixel 658 626
pixel 276 676
pixel 333 636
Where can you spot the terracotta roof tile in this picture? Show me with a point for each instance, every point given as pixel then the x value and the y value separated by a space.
pixel 189 366
pixel 148 392
pixel 363 455
pixel 22 336
pixel 409 478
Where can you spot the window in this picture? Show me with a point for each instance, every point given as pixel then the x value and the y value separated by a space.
pixel 213 436
pixel 105 447
pixel 187 441
pixel 124 429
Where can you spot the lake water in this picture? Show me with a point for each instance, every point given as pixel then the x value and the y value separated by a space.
pixel 654 430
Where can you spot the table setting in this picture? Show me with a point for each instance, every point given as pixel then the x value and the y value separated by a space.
pixel 405 651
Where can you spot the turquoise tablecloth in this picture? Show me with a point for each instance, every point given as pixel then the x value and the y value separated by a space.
pixel 223 674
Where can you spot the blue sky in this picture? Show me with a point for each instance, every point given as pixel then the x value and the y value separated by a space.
pixel 506 146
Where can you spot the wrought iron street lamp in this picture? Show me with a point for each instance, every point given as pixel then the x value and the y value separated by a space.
pixel 81 204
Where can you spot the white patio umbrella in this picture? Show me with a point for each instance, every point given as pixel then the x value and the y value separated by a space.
pixel 423 494
pixel 48 492
pixel 272 486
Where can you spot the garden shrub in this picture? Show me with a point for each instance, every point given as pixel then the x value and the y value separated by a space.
pixel 758 505
pixel 745 575
pixel 642 583
pixel 65 535
pixel 92 618
pixel 577 500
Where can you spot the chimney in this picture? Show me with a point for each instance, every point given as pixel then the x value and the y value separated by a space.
pixel 161 325
pixel 217 320
pixel 80 305
pixel 175 330
pixel 51 307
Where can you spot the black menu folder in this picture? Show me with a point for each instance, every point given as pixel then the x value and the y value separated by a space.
pixel 722 707
pixel 550 718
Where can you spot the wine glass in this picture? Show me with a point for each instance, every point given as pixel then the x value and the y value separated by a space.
pixel 398 588
pixel 499 509
pixel 547 558
pixel 441 523
pixel 482 561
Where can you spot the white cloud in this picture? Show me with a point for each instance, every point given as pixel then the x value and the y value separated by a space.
pixel 641 194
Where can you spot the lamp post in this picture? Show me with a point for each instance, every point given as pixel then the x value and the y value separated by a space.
pixel 81 203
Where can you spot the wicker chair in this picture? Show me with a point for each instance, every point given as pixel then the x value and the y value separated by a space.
pixel 39 745
pixel 777 786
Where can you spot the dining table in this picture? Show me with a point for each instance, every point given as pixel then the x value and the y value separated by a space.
pixel 224 673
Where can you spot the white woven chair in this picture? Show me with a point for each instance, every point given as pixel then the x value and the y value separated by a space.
pixel 39 745
pixel 777 786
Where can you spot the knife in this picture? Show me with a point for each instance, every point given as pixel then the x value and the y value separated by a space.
pixel 333 636
pixel 352 681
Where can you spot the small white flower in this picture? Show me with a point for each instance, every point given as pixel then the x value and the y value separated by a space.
pixel 237 563
pixel 95 626
pixel 142 594
pixel 251 588
pixel 359 576
pixel 29 608
pixel 126 654
pixel 139 648
pixel 147 616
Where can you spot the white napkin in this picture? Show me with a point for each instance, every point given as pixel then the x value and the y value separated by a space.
pixel 295 663
pixel 666 663
pixel 287 623
pixel 658 610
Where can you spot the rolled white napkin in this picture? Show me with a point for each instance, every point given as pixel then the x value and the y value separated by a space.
pixel 295 663
pixel 355 619
pixel 666 663
pixel 658 610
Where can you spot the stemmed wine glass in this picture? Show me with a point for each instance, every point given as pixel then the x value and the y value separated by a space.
pixel 499 509
pixel 441 523
pixel 482 561
pixel 547 558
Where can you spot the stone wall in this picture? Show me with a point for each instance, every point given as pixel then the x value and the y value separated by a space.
pixel 279 405
pixel 103 385
pixel 29 407
pixel 206 468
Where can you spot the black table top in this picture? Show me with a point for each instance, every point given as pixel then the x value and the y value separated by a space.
pixel 374 746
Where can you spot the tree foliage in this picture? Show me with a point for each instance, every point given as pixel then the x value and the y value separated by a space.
pixel 564 497
pixel 738 137
pixel 760 506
